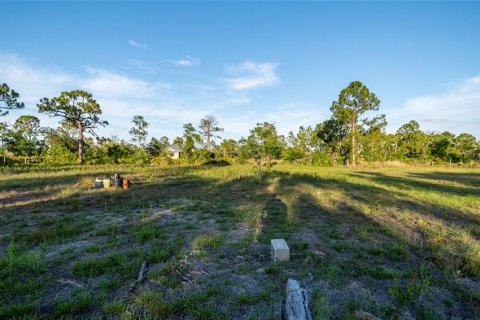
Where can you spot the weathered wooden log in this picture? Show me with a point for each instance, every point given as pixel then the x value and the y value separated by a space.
pixel 296 303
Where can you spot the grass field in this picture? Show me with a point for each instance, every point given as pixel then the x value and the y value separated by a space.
pixel 400 243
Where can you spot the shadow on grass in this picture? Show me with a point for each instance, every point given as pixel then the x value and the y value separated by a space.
pixel 414 183
pixel 360 244
pixel 467 178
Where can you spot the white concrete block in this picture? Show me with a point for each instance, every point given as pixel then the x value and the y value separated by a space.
pixel 280 250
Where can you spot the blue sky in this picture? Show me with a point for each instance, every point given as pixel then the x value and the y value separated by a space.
pixel 282 62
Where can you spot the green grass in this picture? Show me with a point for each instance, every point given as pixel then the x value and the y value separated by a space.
pixel 206 241
pixel 389 241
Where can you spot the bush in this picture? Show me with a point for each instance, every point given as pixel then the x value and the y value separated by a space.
pixel 292 154
pixel 321 159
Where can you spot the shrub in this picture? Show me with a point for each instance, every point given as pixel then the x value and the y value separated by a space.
pixel 321 159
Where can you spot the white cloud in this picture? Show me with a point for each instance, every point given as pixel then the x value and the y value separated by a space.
pixel 136 44
pixel 285 117
pixel 108 84
pixel 249 75
pixel 185 62
pixel 119 95
pixel 33 82
pixel 457 110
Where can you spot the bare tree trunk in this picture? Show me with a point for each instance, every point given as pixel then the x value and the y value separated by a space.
pixel 80 143
pixel 4 154
pixel 353 143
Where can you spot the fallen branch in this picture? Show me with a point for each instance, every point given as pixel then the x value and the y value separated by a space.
pixel 67 281
pixel 362 315
pixel 141 276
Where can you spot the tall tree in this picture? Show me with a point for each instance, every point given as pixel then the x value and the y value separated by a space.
pixel 139 131
pixel 3 137
pixel 77 108
pixel 157 146
pixel 353 101
pixel 9 99
pixel 190 139
pixel 229 148
pixel 29 126
pixel 373 140
pixel 304 138
pixel 331 135
pixel 25 139
pixel 467 147
pixel 263 142
pixel 208 127
pixel 61 143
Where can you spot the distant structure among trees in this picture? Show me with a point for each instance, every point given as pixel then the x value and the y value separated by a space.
pixel 346 138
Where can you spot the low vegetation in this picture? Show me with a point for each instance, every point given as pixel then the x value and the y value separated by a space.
pixel 395 242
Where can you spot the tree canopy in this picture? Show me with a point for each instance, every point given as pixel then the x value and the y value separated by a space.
pixel 9 100
pixel 354 101
pixel 77 108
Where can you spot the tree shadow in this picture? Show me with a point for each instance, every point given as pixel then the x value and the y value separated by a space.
pixel 358 245
pixel 467 178
pixel 416 184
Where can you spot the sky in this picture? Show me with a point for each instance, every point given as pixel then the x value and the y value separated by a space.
pixel 246 62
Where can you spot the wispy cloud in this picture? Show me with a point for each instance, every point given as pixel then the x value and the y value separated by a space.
pixel 108 84
pixel 32 81
pixel 136 44
pixel 250 75
pixel 286 118
pixel 185 62
pixel 120 96
pixel 457 109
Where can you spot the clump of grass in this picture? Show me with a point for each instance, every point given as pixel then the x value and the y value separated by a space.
pixel 273 269
pixel 163 250
pixel 148 232
pixel 406 292
pixel 93 248
pixel 247 299
pixel 23 278
pixel 80 303
pixel 206 241
pixel 58 232
pixel 472 258
pixel 116 307
pixel 108 230
pixel 123 264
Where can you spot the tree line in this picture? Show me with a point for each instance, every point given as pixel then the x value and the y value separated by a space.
pixel 347 137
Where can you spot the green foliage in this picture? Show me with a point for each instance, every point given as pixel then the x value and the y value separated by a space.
pixel 292 153
pixel 23 140
pixel 148 232
pixel 78 109
pixel 81 302
pixel 321 159
pixel 345 135
pixel 139 131
pixel 156 147
pixel 262 143
pixel 406 293
pixel 353 101
pixel 206 241
pixel 9 100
